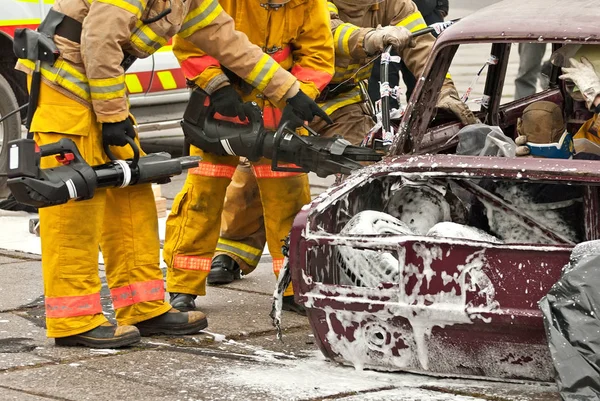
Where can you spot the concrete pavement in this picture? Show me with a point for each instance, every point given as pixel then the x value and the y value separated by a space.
pixel 237 358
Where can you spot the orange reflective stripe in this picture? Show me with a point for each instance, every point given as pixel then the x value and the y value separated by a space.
pixel 271 117
pixel 77 305
pixel 278 264
pixel 264 171
pixel 319 78
pixel 195 66
pixel 213 170
pixel 135 293
pixel 191 263
pixel 282 54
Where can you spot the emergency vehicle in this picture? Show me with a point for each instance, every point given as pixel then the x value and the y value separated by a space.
pixel 154 80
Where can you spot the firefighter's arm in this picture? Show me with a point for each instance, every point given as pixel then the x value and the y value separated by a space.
pixel 197 66
pixel 209 27
pixel 348 39
pixel 105 30
pixel 407 15
pixel 313 50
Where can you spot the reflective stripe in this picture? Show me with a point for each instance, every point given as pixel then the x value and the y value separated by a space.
pixel 342 36
pixel 107 88
pixel 264 171
pixel 144 38
pixel 133 6
pixel 64 75
pixel 71 306
pixel 332 8
pixel 133 83
pixel 184 262
pixel 194 66
pixel 413 22
pixel 213 170
pixel 245 252
pixel 135 293
pixel 278 264
pixel 319 78
pixel 200 17
pixel 166 79
pixel 342 100
pixel 262 72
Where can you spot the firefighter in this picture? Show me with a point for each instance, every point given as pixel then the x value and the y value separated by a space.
pixel 580 65
pixel 82 97
pixel 296 35
pixel 361 30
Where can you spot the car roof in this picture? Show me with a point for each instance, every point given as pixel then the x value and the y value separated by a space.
pixel 475 167
pixel 519 20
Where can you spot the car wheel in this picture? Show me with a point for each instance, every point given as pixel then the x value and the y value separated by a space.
pixel 9 129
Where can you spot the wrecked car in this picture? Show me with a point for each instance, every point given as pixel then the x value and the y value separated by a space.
pixel 392 273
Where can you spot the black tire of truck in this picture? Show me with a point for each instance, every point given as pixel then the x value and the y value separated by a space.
pixel 9 129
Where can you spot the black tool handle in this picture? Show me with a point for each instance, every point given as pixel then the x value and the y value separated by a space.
pixel 134 147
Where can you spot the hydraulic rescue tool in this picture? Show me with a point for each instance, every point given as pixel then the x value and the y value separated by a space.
pixel 76 179
pixel 324 156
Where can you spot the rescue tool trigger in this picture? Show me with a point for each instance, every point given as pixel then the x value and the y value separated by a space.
pixel 324 156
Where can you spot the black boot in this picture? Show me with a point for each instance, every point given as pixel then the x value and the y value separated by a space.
pixel 183 302
pixel 290 305
pixel 223 270
pixel 103 336
pixel 174 323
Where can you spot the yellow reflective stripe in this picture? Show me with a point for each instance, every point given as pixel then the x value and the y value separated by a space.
pixel 166 79
pixel 341 37
pixel 133 83
pixel 413 22
pixel 262 72
pixel 351 97
pixel 144 38
pixel 107 88
pixel 245 252
pixel 200 17
pixel 14 22
pixel 448 76
pixel 133 6
pixel 363 74
pixel 63 75
pixel 332 8
pixel 36 1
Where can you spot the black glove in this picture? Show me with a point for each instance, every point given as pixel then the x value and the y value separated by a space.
pixel 115 134
pixel 228 103
pixel 301 108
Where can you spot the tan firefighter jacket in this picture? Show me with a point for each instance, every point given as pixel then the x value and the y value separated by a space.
pixel 297 36
pixel 350 24
pixel 92 72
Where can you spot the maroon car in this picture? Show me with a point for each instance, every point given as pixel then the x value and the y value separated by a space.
pixel 452 300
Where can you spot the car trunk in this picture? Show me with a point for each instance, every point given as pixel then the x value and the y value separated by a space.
pixel 456 306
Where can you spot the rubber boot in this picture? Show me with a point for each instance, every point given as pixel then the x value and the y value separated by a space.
pixel 173 323
pixel 223 270
pixel 183 302
pixel 104 336
pixel 290 305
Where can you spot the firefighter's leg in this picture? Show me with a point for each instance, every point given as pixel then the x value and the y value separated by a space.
pixel 193 225
pixel 243 235
pixel 283 194
pixel 70 233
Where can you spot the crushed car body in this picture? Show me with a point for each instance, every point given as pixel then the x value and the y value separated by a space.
pixel 392 264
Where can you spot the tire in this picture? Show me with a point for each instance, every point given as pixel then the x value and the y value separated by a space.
pixel 9 129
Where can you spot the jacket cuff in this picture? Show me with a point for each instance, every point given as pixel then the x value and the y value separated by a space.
pixel 215 83
pixel 359 51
